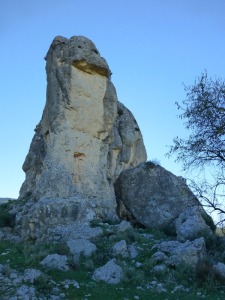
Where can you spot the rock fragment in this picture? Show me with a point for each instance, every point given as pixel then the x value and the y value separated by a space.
pixel 110 273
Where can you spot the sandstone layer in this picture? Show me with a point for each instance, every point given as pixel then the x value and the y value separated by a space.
pixel 86 137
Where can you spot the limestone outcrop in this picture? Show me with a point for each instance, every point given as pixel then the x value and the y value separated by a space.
pixel 86 137
pixel 87 159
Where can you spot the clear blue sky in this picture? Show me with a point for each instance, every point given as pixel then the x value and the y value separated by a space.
pixel 151 46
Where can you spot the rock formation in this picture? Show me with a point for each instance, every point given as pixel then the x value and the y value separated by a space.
pixel 87 157
pixel 86 137
pixel 156 198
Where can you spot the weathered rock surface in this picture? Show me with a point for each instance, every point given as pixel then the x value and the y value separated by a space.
pixel 156 198
pixel 25 292
pixel 110 273
pixel 120 249
pixel 191 225
pixel 30 275
pixel 174 253
pixel 56 219
pixel 81 246
pixel 55 261
pixel 219 269
pixel 85 137
pixel 123 226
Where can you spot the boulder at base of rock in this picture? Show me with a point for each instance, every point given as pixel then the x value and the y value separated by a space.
pixel 155 197
pixel 110 273
pixel 191 225
pixel 219 270
pixel 174 253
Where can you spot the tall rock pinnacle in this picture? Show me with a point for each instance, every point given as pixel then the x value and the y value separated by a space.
pixel 86 137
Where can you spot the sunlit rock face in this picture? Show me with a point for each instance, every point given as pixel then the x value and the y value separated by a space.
pixel 86 137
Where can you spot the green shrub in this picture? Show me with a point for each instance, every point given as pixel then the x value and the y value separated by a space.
pixel 207 277
pixel 120 112
pixel 130 235
pixel 149 165
pixel 215 247
pixel 6 218
pixel 209 221
pixel 133 277
pixel 6 270
pixel 43 284
pixel 89 265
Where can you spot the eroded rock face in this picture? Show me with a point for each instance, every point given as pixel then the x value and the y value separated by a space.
pixel 85 138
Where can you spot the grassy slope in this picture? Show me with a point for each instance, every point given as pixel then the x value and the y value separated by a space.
pixel 28 255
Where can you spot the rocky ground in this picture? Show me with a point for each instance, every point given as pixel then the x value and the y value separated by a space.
pixel 117 262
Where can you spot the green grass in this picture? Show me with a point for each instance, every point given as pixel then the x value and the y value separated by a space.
pixel 28 255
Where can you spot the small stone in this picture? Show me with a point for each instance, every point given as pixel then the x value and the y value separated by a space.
pixel 55 261
pixel 123 226
pixel 110 273
pixel 138 264
pixel 81 246
pixel 139 288
pixel 69 282
pixel 161 269
pixel 26 292
pixel 180 288
pixel 120 248
pixel 132 251
pixel 31 274
pixel 219 268
pixel 159 257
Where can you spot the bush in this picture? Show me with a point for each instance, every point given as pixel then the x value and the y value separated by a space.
pixel 206 276
pixel 43 284
pixel 133 277
pixel 89 265
pixel 209 221
pixel 215 246
pixel 6 218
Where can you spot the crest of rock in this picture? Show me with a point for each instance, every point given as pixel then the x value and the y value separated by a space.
pixel 86 137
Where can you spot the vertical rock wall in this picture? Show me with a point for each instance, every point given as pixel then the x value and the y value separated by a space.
pixel 85 138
